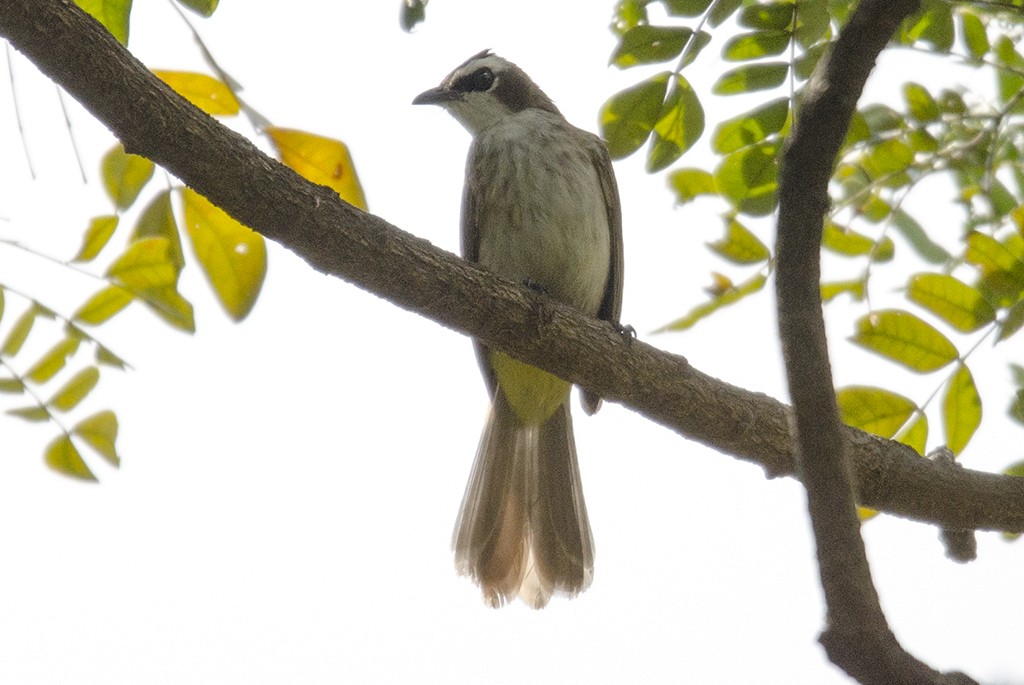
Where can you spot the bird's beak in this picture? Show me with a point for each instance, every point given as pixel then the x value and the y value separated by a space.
pixel 436 96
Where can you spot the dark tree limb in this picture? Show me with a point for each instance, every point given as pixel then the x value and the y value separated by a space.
pixel 857 637
pixel 337 239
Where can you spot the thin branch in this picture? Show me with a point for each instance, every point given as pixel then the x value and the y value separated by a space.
pixel 338 239
pixel 857 637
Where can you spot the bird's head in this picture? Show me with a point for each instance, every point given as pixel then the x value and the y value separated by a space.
pixel 485 89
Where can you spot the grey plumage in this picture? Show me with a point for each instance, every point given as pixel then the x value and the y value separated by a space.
pixel 540 205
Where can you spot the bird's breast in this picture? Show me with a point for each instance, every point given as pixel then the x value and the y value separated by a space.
pixel 540 210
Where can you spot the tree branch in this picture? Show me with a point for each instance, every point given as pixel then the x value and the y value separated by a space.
pixel 339 240
pixel 857 636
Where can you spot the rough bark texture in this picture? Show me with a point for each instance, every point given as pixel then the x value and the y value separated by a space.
pixel 337 239
pixel 857 637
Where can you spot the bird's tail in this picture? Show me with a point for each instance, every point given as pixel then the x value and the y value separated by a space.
pixel 523 528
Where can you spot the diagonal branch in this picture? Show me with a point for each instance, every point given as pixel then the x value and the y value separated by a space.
pixel 337 239
pixel 857 636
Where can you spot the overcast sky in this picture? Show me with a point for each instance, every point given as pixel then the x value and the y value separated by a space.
pixel 289 485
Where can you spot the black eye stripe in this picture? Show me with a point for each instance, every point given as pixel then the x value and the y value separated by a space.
pixel 480 80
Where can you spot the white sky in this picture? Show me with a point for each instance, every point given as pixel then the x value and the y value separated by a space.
pixel 284 509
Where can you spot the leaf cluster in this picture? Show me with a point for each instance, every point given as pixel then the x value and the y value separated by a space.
pixel 149 264
pixel 970 286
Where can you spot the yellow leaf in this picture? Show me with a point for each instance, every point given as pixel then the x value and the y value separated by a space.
pixel 169 305
pixel 157 221
pixel 100 432
pixel 35 413
pixel 113 14
pixel 103 305
pixel 233 257
pixel 53 361
pixel 19 332
pixel 96 237
pixel 145 264
pixel 321 160
pixel 62 456
pixel 124 175
pixel 205 92
pixel 75 390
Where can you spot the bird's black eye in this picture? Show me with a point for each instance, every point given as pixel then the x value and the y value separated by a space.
pixel 480 80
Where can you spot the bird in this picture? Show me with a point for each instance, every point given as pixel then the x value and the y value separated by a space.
pixel 540 206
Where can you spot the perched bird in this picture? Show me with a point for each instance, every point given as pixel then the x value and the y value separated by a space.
pixel 540 206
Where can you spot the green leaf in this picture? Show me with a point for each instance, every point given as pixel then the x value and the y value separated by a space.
pixel 845 241
pixel 700 40
pixel 748 179
pixel 62 456
pixel 888 157
pixel 722 10
pixel 628 118
pixel 932 24
pixel 993 258
pixel 54 360
pixel 958 304
pixel 100 432
pixel 33 414
pixel 1012 322
pixel 961 410
pixel 124 175
pixel 12 386
pixel 686 8
pixel 113 14
pixel 776 16
pixel 882 119
pixel 145 264
pixel 805 64
pixel 206 8
pixel 748 46
pixel 101 228
pixel 874 410
pixel 233 256
pixel 920 103
pixel 679 126
pixel 75 390
pixel 646 44
pixel 832 290
pixel 975 35
pixel 750 78
pixel 751 127
pixel 730 296
pixel 103 305
pixel 19 332
pixel 739 245
pixel 813 22
pixel 918 238
pixel 1009 81
pixel 904 338
pixel 689 183
pixel 157 221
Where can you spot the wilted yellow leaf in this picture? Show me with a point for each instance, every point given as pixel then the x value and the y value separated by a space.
pixel 233 256
pixel 203 91
pixel 321 160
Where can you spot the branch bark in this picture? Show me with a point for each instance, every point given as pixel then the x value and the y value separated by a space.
pixel 857 636
pixel 337 239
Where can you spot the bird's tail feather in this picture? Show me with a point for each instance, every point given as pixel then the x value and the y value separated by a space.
pixel 523 527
